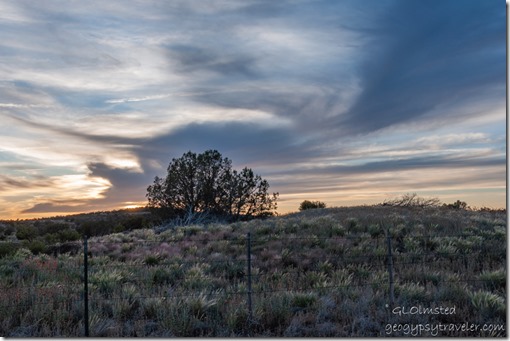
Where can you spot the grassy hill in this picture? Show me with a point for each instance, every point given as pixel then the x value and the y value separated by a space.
pixel 323 272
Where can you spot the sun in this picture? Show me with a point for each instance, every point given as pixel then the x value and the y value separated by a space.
pixel 131 205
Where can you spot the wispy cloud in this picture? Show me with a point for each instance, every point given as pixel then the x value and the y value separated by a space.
pixel 17 105
pixel 340 101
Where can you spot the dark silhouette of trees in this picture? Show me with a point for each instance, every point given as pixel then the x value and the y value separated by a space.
pixel 206 184
pixel 308 205
pixel 412 200
pixel 458 205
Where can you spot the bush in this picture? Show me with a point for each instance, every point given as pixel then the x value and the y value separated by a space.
pixel 119 228
pixel 308 205
pixel 152 260
pixel 6 230
pixel 458 205
pixel 94 228
pixel 68 235
pixel 53 227
pixel 26 232
pixel 135 222
pixel 51 238
pixel 494 280
pixel 36 246
pixel 161 276
pixel 7 249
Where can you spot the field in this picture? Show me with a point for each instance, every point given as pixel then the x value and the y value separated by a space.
pixel 359 271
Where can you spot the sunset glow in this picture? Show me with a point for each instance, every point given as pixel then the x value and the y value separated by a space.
pixel 346 102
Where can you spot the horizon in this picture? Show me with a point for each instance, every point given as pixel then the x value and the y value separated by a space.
pixel 278 214
pixel 346 102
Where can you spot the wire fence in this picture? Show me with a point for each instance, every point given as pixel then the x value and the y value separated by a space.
pixel 247 272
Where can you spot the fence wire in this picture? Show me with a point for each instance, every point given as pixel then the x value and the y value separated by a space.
pixel 179 285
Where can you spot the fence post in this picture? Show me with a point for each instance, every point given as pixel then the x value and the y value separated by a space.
pixel 423 270
pixel 248 247
pixel 390 268
pixel 86 285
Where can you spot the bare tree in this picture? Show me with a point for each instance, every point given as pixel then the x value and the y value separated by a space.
pixel 412 200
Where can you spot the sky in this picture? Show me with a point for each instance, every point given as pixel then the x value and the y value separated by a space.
pixel 348 102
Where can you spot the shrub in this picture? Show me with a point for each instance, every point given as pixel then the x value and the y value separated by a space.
pixel 6 229
pixel 494 280
pixel 488 303
pixel 68 235
pixel 173 275
pixel 196 278
pixel 304 300
pixel 106 280
pixel 238 320
pixel 26 232
pixel 7 249
pixel 51 238
pixel 36 246
pixel 135 222
pixel 411 292
pixel 458 205
pixel 53 227
pixel 94 228
pixel 152 260
pixel 275 313
pixel 119 228
pixel 161 276
pixel 308 205
pixel 353 225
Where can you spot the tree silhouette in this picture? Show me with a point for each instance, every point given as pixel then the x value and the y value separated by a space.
pixel 206 184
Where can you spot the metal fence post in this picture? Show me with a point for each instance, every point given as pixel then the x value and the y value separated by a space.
pixel 248 247
pixel 390 268
pixel 86 285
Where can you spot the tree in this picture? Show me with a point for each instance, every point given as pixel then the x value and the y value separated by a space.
pixel 307 205
pixel 207 184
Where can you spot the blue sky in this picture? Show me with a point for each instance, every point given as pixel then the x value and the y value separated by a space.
pixel 347 102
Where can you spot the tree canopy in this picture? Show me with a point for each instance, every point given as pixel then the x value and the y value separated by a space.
pixel 206 183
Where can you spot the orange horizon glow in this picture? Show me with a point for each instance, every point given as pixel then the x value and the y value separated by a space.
pixel 289 204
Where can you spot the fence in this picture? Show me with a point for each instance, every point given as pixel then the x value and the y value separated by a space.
pixel 191 285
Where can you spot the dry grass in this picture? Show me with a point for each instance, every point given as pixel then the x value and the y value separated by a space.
pixel 317 273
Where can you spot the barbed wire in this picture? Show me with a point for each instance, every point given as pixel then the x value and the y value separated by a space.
pixel 31 304
pixel 230 277
pixel 276 237
pixel 215 292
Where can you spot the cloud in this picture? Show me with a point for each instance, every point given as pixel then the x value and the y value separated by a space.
pixel 318 96
pixel 429 54
pixel 17 105
pixel 193 58
pixel 52 208
pixel 244 143
pixel 9 183
pixel 125 186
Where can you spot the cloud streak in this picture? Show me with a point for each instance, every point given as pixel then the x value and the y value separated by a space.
pixel 346 102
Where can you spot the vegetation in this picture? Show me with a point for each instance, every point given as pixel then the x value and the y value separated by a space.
pixel 412 200
pixel 206 184
pixel 458 205
pixel 55 234
pixel 314 273
pixel 308 205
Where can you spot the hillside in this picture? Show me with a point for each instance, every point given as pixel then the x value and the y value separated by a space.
pixel 323 272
